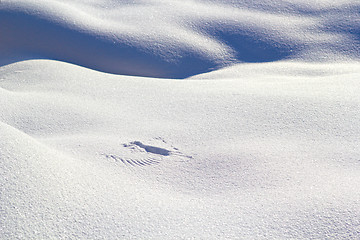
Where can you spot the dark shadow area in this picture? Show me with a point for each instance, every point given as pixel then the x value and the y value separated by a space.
pixel 23 35
pixel 251 47
pixel 152 149
pixel 347 23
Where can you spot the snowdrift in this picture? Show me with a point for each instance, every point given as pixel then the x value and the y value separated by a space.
pixel 179 119
pixel 176 39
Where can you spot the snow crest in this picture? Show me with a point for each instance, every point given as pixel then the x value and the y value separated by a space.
pixel 176 39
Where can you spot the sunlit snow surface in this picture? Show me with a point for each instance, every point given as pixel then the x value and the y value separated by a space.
pixel 179 119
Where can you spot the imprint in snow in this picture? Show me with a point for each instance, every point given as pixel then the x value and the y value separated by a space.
pixel 132 162
pixel 150 149
pixel 138 154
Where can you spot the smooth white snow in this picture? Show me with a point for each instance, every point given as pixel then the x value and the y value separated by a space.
pixel 260 141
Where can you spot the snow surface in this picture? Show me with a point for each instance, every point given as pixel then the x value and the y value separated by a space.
pixel 206 119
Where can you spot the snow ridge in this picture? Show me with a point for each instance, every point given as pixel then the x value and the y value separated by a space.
pixel 176 39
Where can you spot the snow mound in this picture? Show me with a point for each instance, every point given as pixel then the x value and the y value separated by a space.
pixel 95 155
pixel 176 39
pixel 259 140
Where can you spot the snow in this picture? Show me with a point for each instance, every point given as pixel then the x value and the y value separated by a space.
pixel 176 39
pixel 179 119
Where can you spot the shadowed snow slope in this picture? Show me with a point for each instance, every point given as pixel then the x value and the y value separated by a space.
pixel 260 141
pixel 176 39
